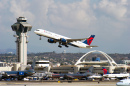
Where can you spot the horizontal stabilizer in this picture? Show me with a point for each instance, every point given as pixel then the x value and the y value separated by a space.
pixel 91 46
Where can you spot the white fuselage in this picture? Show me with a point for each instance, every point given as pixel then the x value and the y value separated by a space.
pixel 95 77
pixel 125 82
pixel 116 75
pixel 57 37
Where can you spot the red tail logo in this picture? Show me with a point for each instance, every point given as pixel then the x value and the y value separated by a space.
pixel 89 40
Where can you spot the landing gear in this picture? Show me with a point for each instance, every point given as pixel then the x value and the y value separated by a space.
pixel 66 46
pixel 62 44
pixel 59 46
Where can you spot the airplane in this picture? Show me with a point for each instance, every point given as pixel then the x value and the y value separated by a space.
pixel 118 76
pixel 95 77
pixel 19 75
pixel 53 38
pixel 74 76
pixel 42 75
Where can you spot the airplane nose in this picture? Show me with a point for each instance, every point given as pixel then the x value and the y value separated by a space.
pixel 35 31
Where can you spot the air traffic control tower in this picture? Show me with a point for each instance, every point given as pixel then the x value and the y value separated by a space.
pixel 21 27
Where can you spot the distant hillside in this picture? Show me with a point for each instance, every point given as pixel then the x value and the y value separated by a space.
pixel 63 58
pixel 73 57
pixel 2 51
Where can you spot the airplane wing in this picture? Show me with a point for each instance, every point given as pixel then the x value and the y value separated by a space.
pixel 69 76
pixel 66 40
pixel 71 40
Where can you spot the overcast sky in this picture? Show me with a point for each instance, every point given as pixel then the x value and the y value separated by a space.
pixel 109 20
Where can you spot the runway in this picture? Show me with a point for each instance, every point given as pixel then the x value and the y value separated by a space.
pixel 24 83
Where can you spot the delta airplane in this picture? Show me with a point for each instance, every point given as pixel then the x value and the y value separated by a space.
pixel 118 76
pixel 53 38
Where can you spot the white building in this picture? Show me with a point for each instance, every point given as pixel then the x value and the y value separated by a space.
pixel 42 63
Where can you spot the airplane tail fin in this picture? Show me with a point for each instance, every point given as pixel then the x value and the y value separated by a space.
pixel 33 64
pixel 90 69
pixel 31 70
pixel 105 70
pixel 89 40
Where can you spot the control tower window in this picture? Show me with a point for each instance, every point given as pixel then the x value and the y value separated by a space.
pixel 23 20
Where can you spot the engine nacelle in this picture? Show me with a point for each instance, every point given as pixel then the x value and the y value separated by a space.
pixel 63 40
pixel 51 41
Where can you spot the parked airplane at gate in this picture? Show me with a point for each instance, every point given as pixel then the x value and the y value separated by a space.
pixel 18 74
pixel 53 38
pixel 95 77
pixel 118 76
pixel 74 76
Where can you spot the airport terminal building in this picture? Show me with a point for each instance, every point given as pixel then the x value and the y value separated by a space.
pixel 80 66
pixel 83 64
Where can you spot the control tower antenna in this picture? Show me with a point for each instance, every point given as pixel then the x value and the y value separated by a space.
pixel 21 27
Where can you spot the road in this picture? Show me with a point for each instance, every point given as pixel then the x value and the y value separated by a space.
pixel 24 83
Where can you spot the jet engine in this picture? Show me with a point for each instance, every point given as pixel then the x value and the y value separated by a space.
pixel 63 40
pixel 51 41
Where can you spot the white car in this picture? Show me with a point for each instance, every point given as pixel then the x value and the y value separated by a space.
pixel 25 79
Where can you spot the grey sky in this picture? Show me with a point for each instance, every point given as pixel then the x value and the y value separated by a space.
pixel 107 19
